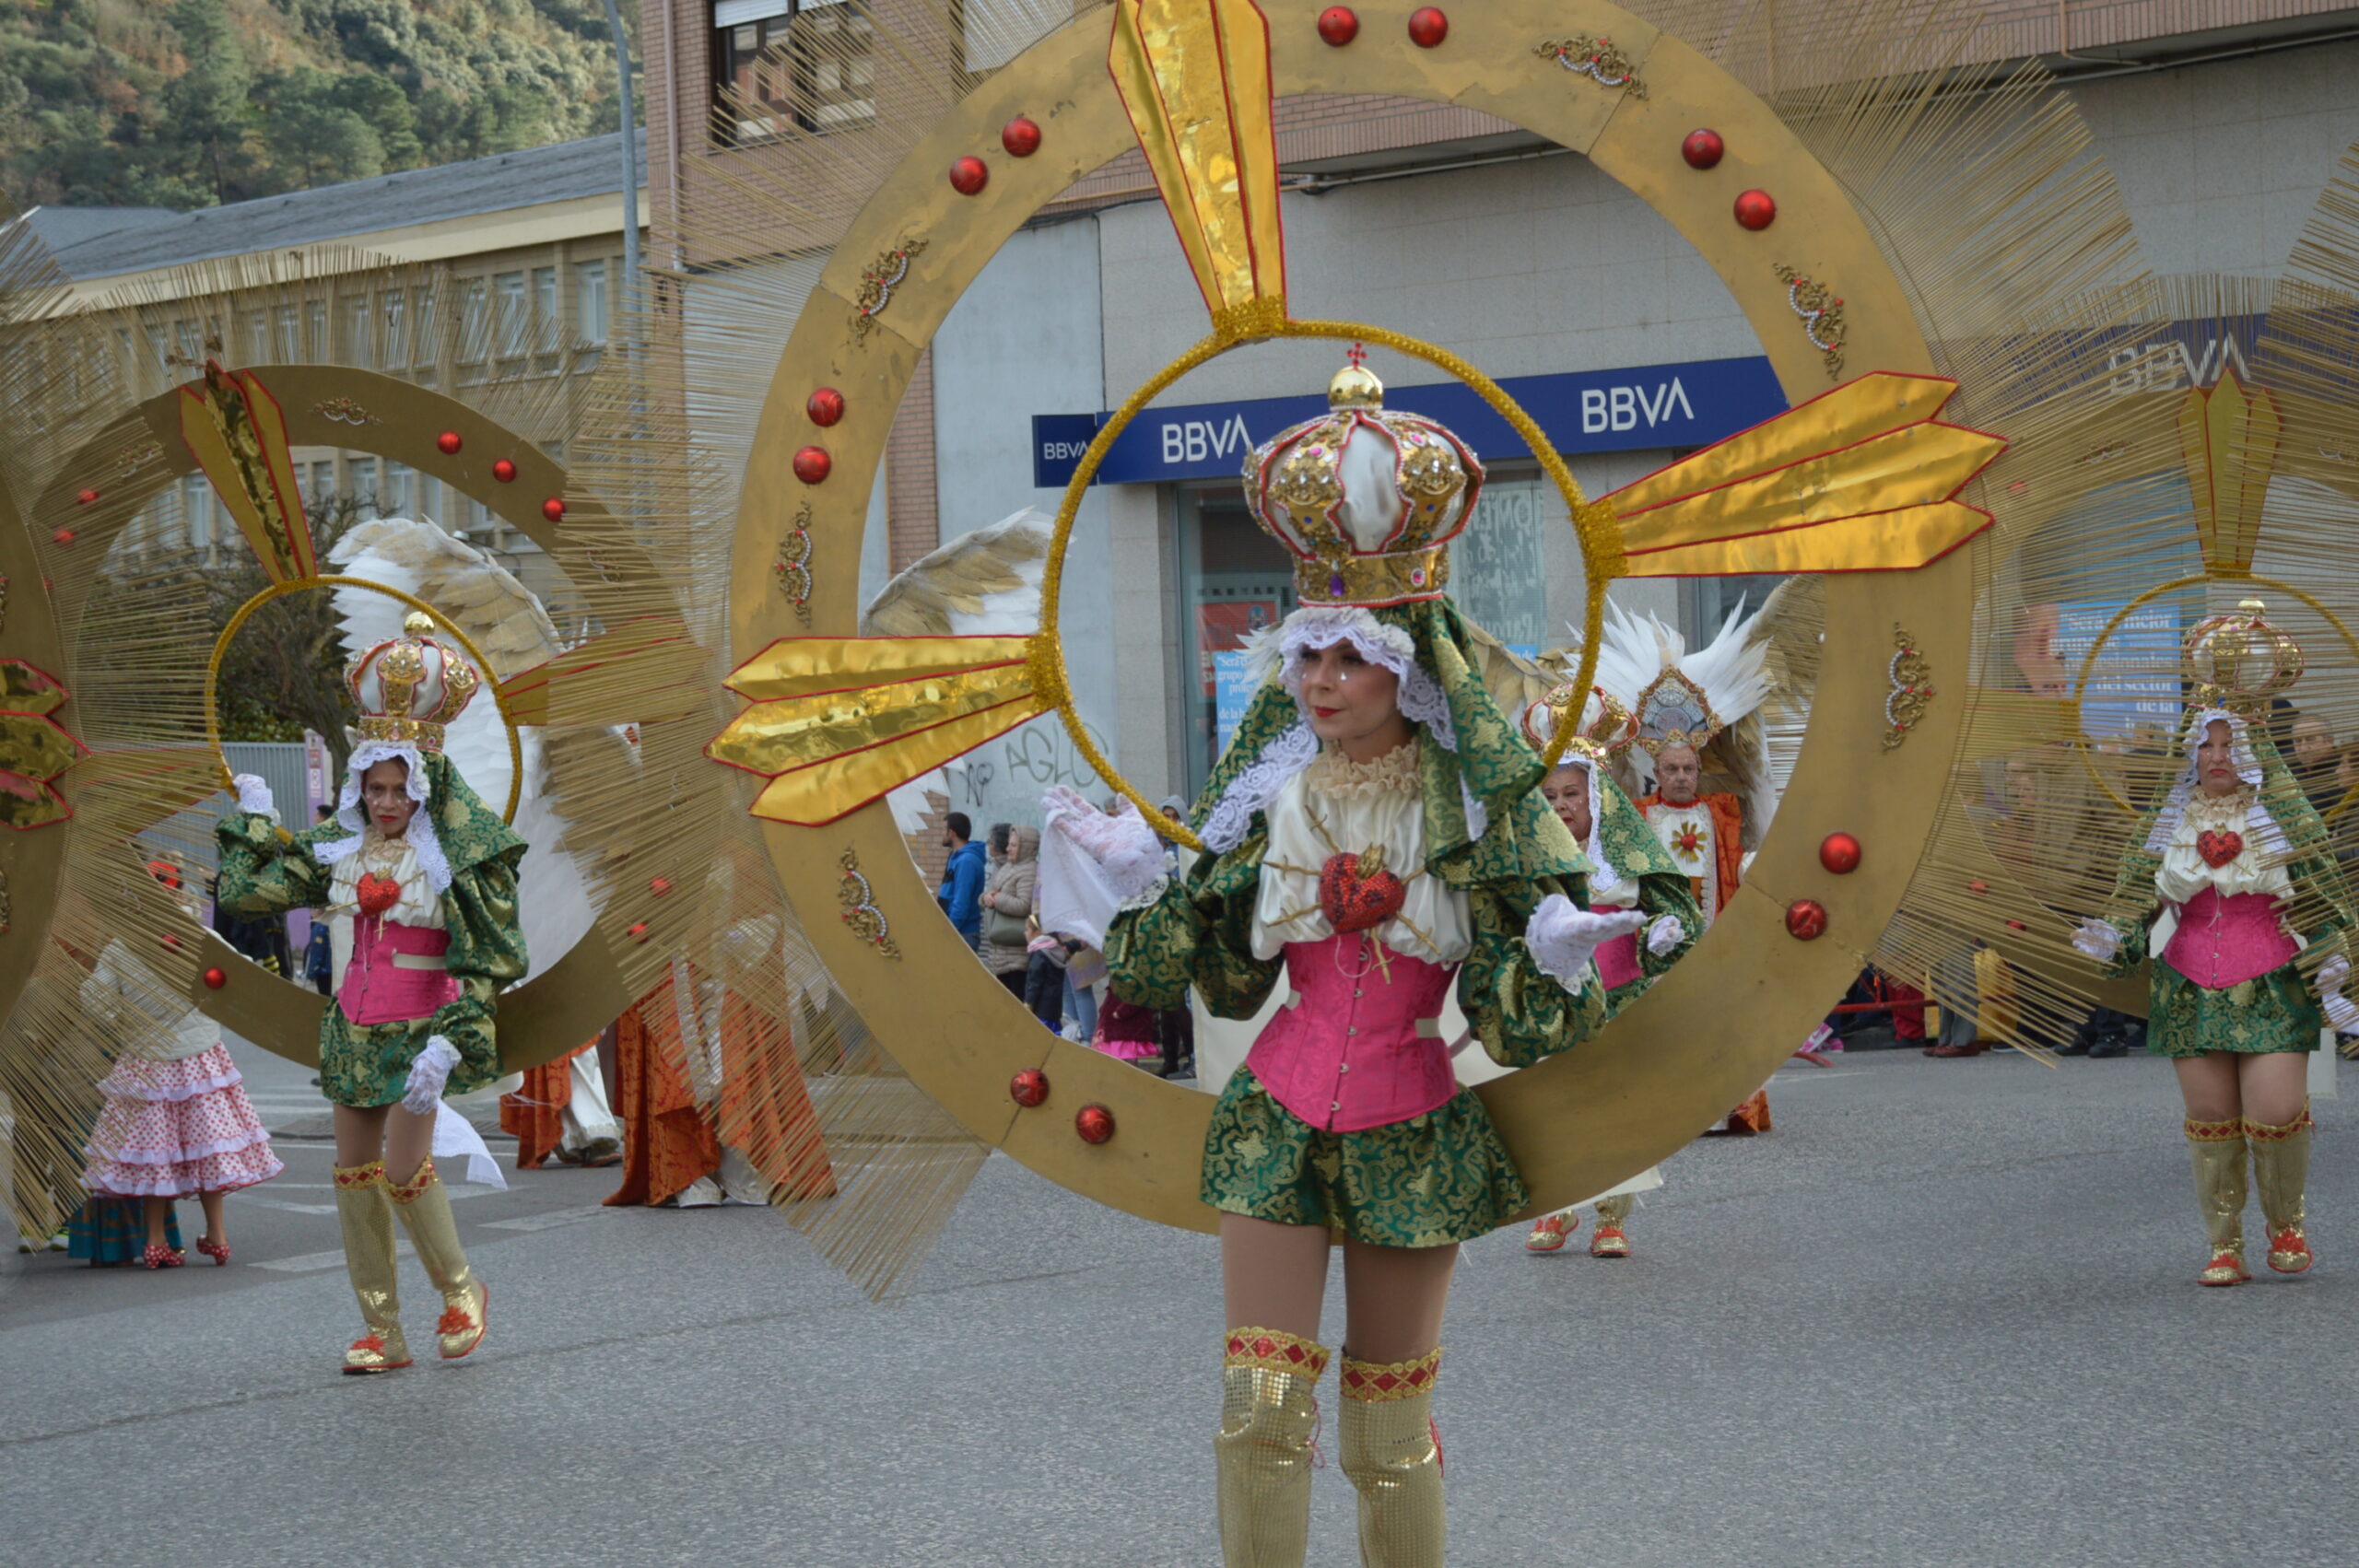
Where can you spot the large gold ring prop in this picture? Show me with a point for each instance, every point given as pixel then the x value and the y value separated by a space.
pixel 1601 543
pixel 293 585
pixel 361 411
pixel 2105 634
pixel 1721 1022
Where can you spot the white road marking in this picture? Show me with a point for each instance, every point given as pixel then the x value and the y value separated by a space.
pixel 308 1262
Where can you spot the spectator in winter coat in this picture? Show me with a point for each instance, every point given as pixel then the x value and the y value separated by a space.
pixel 962 880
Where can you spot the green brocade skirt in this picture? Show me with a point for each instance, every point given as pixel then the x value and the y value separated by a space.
pixel 2272 1012
pixel 363 1065
pixel 1441 1178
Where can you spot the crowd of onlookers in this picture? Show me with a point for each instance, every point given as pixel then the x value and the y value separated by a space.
pixel 989 891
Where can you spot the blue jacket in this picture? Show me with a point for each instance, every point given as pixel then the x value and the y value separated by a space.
pixel 962 887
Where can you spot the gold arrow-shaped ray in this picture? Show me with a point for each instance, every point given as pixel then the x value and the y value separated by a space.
pixel 838 722
pixel 237 432
pixel 1863 478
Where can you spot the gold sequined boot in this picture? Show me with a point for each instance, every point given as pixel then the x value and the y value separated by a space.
pixel 2281 1168
pixel 2219 1151
pixel 1392 1454
pixel 365 1210
pixel 1608 1240
pixel 424 1205
pixel 1267 1411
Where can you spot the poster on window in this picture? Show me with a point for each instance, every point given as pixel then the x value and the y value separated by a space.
pixel 1223 626
pixel 1498 571
pixel 2134 681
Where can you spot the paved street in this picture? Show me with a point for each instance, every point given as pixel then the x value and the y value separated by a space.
pixel 1943 1315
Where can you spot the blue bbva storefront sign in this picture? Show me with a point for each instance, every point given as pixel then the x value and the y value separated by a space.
pixel 1690 404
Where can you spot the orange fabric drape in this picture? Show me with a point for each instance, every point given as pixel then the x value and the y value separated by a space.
pixel 666 1145
pixel 765 1110
pixel 534 1114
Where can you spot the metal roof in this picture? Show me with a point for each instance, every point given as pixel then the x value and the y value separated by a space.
pixel 61 227
pixel 562 172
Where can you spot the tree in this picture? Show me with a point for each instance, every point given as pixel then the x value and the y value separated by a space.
pixel 284 671
pixel 314 135
pixel 208 107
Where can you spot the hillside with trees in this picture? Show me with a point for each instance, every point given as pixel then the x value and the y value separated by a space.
pixel 188 103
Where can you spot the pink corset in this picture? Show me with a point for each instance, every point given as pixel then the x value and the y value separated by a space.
pixel 396 972
pixel 1617 961
pixel 2225 942
pixel 1359 1044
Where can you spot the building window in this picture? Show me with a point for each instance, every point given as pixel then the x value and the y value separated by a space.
pixel 315 318
pixel 356 334
pixel 160 346
pixel 397 496
pixel 590 301
pixel 514 322
pixel 361 476
pixel 197 513
pixel 782 64
pixel 548 331
pixel 291 335
pixel 322 489
pixel 475 342
pixel 396 330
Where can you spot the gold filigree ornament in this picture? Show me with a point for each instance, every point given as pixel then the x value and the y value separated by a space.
pixel 1821 310
pixel 1912 688
pixel 1598 59
pixel 860 910
pixel 343 411
pixel 877 282
pixel 793 567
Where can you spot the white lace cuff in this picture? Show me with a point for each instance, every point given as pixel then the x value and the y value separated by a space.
pixel 1665 934
pixel 2097 940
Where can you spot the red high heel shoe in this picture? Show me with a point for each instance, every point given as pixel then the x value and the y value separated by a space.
pixel 216 1250
pixel 162 1256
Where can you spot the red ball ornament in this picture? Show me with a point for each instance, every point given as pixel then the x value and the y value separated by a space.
pixel 171 941
pixel 1756 210
pixel 824 407
pixel 659 887
pixel 504 470
pixel 1338 25
pixel 216 978
pixel 62 538
pixel 86 497
pixel 1428 26
pixel 1028 1088
pixel 554 510
pixel 638 932
pixel 448 443
pixel 1978 887
pixel 969 175
pixel 1805 920
pixel 1703 148
pixel 812 464
pixel 1020 136
pixel 1094 1122
pixel 1839 852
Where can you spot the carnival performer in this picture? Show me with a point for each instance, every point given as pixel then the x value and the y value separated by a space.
pixel 2231 889
pixel 1629 868
pixel 418 878
pixel 174 1121
pixel 1370 834
pixel 1694 700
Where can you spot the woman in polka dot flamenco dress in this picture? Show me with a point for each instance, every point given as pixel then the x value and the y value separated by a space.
pixel 174 1120
pixel 1372 836
pixel 418 879
pixel 2231 890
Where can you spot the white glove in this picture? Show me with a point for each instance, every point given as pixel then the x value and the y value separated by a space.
pixel 1562 937
pixel 1122 844
pixel 428 1074
pixel 2339 1012
pixel 253 795
pixel 2097 940
pixel 1665 934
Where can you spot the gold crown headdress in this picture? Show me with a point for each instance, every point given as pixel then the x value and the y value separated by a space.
pixel 1367 500
pixel 1604 731
pixel 2240 662
pixel 410 686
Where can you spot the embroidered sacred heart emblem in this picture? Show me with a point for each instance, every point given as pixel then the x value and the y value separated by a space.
pixel 1356 894
pixel 2218 848
pixel 377 894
